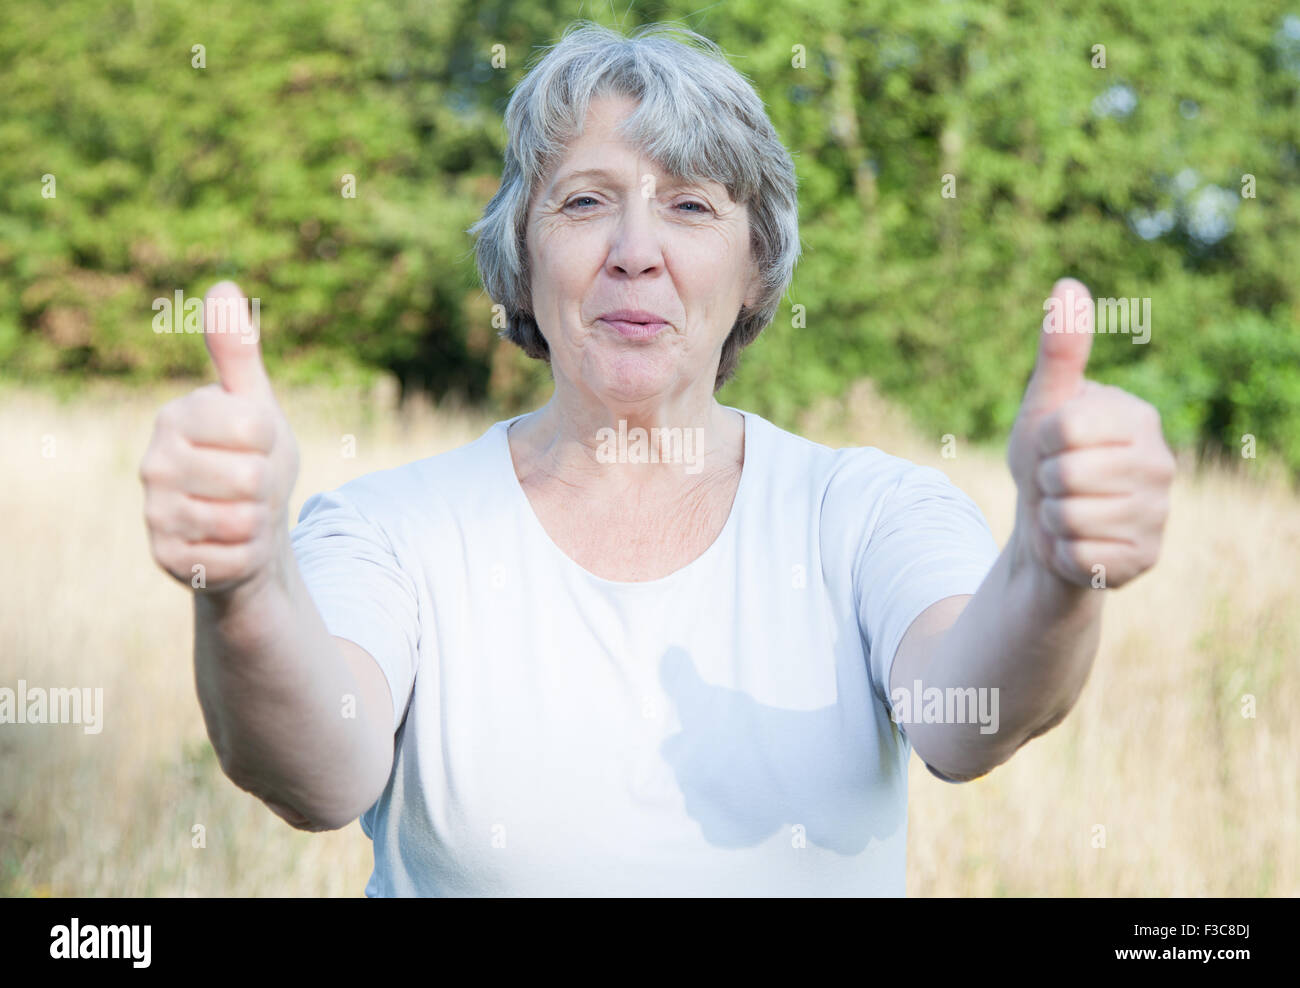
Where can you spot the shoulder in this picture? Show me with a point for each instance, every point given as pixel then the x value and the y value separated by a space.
pixel 851 478
pixel 857 497
pixel 421 489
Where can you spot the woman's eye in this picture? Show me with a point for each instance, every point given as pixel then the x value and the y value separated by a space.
pixel 698 207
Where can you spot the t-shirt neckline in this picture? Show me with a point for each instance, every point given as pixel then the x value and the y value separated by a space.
pixel 747 470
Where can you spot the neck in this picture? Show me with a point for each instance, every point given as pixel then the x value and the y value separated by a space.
pixel 651 444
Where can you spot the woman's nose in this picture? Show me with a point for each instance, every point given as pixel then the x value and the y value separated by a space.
pixel 634 246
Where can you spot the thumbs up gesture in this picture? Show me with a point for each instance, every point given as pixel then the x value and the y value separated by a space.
pixel 1090 462
pixel 222 463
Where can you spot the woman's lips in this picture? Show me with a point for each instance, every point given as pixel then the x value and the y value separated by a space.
pixel 636 330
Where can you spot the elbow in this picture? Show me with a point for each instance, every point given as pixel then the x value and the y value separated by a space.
pixel 315 819
pixel 327 815
pixel 315 824
pixel 954 755
pixel 972 762
pixel 309 819
pixel 325 804
pixel 1057 715
pixel 955 778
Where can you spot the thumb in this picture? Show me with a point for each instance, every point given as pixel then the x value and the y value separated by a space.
pixel 1063 347
pixel 232 339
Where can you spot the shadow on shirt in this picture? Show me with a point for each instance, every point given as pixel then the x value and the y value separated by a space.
pixel 746 768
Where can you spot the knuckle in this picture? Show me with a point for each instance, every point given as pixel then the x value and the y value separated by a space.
pixel 203 521
pixel 173 556
pixel 259 519
pixel 262 479
pixel 1065 474
pixel 188 521
pixel 1049 514
pixel 1081 559
pixel 1071 553
pixel 243 560
pixel 154 469
pixel 250 478
pixel 243 431
pixel 1063 555
pixel 1048 475
pixel 225 524
pixel 1070 424
pixel 187 409
pixel 238 523
pixel 170 415
pixel 1069 523
pixel 252 431
pixel 1160 465
pixel 155 518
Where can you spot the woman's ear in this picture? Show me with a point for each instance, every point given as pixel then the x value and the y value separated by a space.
pixel 753 289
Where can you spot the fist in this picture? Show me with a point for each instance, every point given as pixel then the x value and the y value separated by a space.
pixel 1090 462
pixel 222 462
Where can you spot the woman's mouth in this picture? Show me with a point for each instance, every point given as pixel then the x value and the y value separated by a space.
pixel 635 330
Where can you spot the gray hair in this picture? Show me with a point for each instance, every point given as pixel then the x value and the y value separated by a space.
pixel 679 79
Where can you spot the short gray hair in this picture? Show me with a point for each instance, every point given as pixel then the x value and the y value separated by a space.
pixel 680 79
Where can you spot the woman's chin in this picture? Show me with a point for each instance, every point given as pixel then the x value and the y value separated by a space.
pixel 631 378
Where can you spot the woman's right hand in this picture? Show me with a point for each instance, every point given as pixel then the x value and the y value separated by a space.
pixel 222 463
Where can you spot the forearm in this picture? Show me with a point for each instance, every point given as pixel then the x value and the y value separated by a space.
pixel 1028 638
pixel 1092 474
pixel 272 684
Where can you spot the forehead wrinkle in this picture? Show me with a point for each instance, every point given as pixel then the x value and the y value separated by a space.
pixel 663 178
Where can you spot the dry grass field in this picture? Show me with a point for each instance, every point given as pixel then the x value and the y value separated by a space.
pixel 1195 799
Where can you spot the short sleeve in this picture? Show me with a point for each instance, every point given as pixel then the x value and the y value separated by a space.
pixel 930 541
pixel 353 576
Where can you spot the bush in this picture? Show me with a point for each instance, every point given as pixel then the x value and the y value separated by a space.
pixel 1129 176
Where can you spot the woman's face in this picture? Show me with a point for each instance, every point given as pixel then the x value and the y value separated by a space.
pixel 608 231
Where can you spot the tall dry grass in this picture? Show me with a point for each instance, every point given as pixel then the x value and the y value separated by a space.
pixel 1194 798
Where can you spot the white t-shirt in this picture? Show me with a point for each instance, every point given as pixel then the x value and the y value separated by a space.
pixel 721 731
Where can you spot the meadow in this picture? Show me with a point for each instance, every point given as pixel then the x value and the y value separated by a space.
pixel 1158 783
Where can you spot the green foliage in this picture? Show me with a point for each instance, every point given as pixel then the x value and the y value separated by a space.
pixel 1128 177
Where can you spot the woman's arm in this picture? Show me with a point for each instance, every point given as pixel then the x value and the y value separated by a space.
pixel 274 685
pixel 1092 474
pixel 1029 638
pixel 297 717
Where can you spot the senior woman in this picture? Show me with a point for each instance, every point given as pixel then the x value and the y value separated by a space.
pixel 636 641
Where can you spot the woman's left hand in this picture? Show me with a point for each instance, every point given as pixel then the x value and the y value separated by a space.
pixel 1090 462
